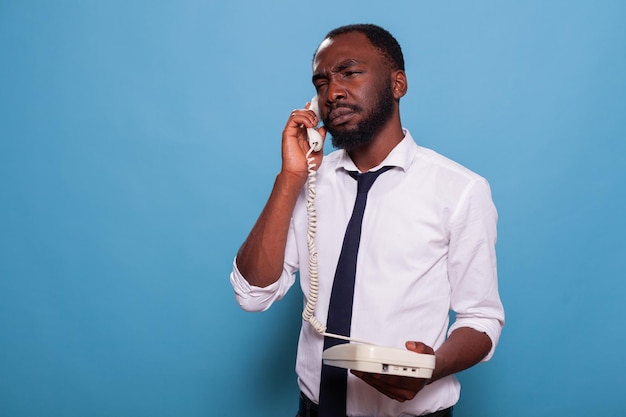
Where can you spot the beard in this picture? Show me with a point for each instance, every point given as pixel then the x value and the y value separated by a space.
pixel 366 129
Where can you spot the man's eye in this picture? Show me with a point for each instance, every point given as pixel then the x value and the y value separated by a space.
pixel 351 73
pixel 319 86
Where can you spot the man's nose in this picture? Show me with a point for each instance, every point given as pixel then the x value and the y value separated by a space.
pixel 336 91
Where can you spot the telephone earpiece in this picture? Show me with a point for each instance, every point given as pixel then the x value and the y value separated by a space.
pixel 315 139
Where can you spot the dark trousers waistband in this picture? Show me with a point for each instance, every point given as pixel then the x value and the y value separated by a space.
pixel 309 409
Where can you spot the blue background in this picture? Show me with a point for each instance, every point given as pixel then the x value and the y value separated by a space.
pixel 139 142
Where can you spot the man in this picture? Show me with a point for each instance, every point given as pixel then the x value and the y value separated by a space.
pixel 427 244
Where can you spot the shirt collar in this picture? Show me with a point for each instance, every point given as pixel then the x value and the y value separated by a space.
pixel 401 156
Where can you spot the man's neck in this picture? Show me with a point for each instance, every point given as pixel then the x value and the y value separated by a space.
pixel 374 152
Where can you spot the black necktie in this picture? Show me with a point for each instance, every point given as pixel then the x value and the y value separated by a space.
pixel 333 383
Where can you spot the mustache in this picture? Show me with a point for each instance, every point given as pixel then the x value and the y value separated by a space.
pixel 353 107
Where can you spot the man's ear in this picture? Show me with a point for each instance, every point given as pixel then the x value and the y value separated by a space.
pixel 399 82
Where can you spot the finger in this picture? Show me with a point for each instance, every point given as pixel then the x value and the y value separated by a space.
pixel 303 117
pixel 307 106
pixel 376 383
pixel 395 387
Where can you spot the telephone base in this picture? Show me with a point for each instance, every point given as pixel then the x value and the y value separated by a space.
pixel 380 360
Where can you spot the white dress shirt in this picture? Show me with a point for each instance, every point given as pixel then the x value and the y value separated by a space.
pixel 427 248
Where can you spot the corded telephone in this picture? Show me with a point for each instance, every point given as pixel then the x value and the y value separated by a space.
pixel 358 355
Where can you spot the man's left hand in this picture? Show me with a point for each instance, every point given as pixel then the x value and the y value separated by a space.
pixel 399 388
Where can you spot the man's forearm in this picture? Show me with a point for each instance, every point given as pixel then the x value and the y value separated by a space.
pixel 260 259
pixel 463 349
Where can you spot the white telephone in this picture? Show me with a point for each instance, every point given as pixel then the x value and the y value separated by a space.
pixel 315 139
pixel 358 355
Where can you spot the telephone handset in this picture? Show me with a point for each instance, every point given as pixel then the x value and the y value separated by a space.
pixel 315 139
pixel 360 355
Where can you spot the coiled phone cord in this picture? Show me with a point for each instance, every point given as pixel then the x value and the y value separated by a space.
pixel 308 314
pixel 309 310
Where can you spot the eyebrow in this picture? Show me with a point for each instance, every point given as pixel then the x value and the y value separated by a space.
pixel 338 68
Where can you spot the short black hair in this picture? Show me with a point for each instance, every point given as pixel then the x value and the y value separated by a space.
pixel 380 38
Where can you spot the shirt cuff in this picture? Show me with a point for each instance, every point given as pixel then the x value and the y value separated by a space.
pixel 250 297
pixel 491 327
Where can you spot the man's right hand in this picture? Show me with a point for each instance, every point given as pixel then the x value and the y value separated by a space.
pixel 295 144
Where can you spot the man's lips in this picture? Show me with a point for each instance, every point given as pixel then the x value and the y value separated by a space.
pixel 340 115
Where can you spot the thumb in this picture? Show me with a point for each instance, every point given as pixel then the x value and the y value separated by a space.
pixel 419 347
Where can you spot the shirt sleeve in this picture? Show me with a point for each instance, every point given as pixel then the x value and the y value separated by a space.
pixel 472 267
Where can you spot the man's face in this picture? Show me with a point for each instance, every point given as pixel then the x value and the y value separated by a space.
pixel 354 87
